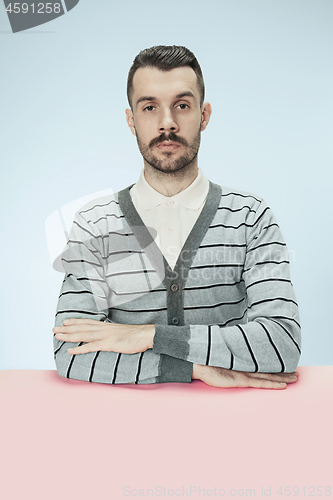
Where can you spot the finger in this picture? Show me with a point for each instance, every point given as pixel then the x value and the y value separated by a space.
pixel 263 383
pixel 89 347
pixel 78 337
pixel 74 321
pixel 76 328
pixel 276 377
pixel 277 381
pixel 264 374
pixel 281 381
pixel 82 328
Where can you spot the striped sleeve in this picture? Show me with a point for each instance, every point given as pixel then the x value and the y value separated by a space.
pixel 84 294
pixel 269 340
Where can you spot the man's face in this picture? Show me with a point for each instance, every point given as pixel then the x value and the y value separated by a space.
pixel 167 119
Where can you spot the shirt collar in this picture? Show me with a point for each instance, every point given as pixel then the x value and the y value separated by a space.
pixel 192 197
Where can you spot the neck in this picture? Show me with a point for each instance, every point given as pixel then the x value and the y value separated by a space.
pixel 170 183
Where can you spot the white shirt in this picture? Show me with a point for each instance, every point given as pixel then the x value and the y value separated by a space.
pixel 172 217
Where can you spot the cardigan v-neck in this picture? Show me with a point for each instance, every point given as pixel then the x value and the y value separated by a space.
pixel 191 244
pixel 170 218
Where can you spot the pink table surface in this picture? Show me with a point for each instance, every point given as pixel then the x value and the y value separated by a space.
pixel 68 439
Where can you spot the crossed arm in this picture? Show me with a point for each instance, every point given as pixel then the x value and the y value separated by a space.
pixel 131 339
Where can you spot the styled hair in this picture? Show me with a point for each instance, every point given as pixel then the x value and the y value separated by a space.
pixel 165 58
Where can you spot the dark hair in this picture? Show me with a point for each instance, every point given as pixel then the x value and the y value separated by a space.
pixel 165 58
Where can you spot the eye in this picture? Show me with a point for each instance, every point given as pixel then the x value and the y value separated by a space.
pixel 183 105
pixel 148 108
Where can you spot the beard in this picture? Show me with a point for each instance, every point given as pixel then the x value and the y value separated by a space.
pixel 168 164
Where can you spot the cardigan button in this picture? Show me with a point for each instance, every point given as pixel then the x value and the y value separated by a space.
pixel 174 287
pixel 175 321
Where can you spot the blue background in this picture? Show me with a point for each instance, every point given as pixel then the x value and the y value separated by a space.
pixel 268 72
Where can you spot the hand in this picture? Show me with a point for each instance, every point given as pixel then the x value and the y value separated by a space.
pixel 102 336
pixel 222 377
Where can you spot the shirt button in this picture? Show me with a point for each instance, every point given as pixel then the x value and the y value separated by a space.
pixel 170 229
pixel 170 202
pixel 174 287
pixel 175 321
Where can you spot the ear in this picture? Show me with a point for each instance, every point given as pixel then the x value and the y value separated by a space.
pixel 205 115
pixel 130 120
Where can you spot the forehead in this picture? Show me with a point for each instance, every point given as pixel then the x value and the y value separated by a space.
pixel 161 84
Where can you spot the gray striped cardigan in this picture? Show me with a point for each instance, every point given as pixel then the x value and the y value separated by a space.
pixel 228 302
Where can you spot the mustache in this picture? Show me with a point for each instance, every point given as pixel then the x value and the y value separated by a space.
pixel 170 137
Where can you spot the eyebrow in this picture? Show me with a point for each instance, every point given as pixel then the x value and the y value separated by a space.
pixel 179 96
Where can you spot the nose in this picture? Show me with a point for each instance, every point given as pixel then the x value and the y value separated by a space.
pixel 167 122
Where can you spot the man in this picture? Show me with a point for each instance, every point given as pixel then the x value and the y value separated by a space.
pixel 176 278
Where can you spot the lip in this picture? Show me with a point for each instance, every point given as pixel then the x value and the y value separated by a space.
pixel 167 145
